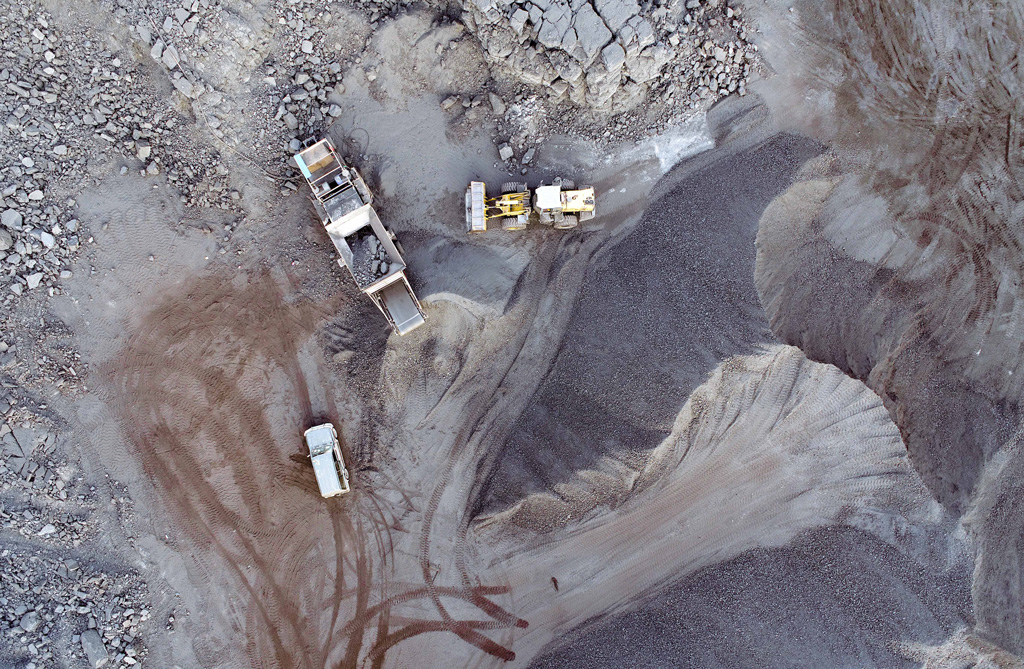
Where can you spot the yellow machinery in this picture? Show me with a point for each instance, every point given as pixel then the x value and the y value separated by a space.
pixel 512 207
pixel 563 205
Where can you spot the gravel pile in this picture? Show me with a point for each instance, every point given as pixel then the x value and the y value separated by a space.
pixel 55 611
pixel 259 89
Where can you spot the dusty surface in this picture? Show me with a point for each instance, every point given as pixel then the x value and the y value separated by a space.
pixel 762 411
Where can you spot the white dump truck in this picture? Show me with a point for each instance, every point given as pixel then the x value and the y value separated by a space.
pixel 367 248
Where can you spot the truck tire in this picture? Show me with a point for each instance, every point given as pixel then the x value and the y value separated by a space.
pixel 568 184
pixel 569 221
pixel 512 224
pixel 513 187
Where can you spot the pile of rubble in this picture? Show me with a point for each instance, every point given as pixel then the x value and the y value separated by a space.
pixel 609 56
pixel 70 102
pixel 55 611
pixel 369 259
pixel 257 90
pixel 56 605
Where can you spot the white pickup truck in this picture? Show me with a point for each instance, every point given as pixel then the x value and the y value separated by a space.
pixel 367 248
pixel 328 463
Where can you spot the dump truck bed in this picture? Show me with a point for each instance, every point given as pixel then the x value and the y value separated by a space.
pixel 363 242
pixel 343 203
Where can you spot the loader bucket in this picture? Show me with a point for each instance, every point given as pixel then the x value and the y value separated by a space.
pixel 476 221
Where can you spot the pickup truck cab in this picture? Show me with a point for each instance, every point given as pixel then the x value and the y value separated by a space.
pixel 328 464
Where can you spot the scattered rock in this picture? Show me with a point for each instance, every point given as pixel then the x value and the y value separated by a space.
pixel 497 105
pixel 30 622
pixel 95 652
pixel 11 219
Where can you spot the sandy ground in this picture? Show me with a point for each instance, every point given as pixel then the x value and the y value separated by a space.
pixel 736 421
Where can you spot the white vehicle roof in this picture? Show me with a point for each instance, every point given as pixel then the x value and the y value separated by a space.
pixel 325 455
pixel 549 197
pixel 319 437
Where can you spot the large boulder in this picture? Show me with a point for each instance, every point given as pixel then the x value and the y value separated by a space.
pixel 617 12
pixel 591 32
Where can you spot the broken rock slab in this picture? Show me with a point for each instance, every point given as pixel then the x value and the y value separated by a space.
pixel 497 104
pixel 591 32
pixel 616 12
pixel 95 651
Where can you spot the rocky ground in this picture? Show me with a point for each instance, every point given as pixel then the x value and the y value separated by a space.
pixel 787 351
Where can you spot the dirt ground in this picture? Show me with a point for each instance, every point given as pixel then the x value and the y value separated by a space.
pixel 761 411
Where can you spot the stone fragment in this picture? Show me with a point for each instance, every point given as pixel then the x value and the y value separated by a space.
pixel 30 621
pixel 11 219
pixel 95 652
pixel 6 241
pixel 45 237
pixel 613 56
pixel 32 280
pixel 497 104
pixel 591 32
pixel 505 152
pixel 518 20
pixel 170 57
pixel 184 86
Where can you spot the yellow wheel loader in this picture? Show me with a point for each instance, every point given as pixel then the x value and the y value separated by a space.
pixel 512 207
pixel 562 205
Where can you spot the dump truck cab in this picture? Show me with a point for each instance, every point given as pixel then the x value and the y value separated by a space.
pixel 368 250
pixel 328 463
